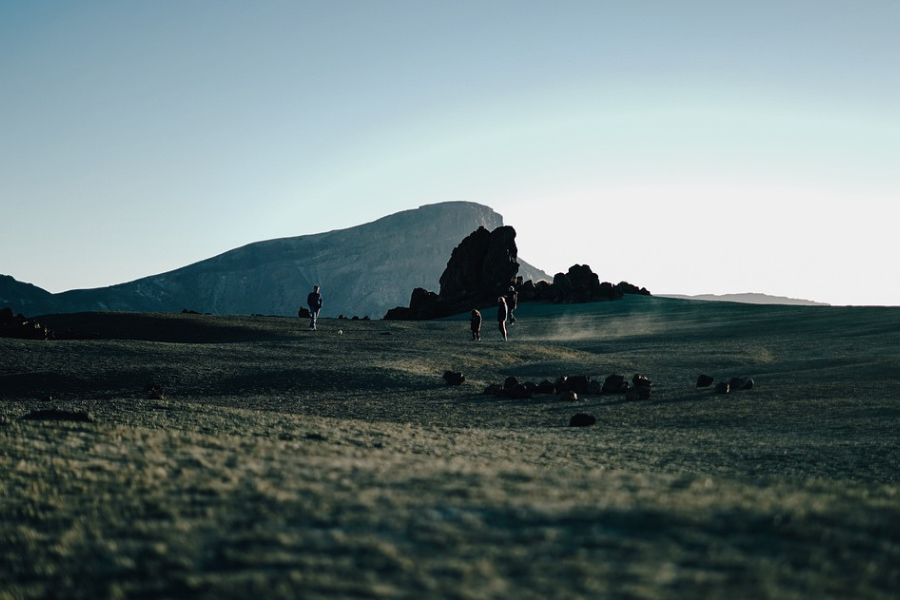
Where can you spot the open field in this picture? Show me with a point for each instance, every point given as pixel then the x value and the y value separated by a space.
pixel 283 463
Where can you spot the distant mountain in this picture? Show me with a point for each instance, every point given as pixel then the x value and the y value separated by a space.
pixel 747 298
pixel 363 271
pixel 24 298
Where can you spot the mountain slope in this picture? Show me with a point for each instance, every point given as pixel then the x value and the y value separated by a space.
pixel 748 298
pixel 363 270
pixel 24 298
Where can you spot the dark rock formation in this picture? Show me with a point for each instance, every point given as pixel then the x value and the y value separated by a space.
pixel 704 380
pixel 615 384
pixel 640 389
pixel 18 326
pixel 481 268
pixel 740 383
pixel 544 387
pixel 579 285
pixel 582 420
pixel 454 377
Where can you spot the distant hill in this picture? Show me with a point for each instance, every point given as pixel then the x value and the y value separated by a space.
pixel 25 298
pixel 363 271
pixel 747 298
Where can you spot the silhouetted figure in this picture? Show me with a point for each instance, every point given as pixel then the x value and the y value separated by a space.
pixel 475 321
pixel 502 314
pixel 314 301
pixel 512 303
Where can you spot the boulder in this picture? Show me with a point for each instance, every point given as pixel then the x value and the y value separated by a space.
pixel 454 377
pixel 704 380
pixel 582 420
pixel 615 384
pixel 740 383
pixel 545 387
pixel 569 396
pixel 578 383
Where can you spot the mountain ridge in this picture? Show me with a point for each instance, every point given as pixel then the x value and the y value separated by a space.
pixel 746 298
pixel 363 270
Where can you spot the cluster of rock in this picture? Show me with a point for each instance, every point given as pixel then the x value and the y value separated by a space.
pixel 18 326
pixel 725 387
pixel 571 388
pixel 484 266
pixel 579 285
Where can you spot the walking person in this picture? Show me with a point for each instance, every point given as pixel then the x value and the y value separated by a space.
pixel 475 322
pixel 502 314
pixel 512 302
pixel 314 301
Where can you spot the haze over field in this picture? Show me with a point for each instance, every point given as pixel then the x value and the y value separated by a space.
pixel 691 147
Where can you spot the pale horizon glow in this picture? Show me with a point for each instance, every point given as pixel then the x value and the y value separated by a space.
pixel 689 148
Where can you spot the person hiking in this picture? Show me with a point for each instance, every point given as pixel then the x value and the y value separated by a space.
pixel 314 301
pixel 512 303
pixel 475 321
pixel 502 313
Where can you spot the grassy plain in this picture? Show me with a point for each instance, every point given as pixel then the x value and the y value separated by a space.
pixel 283 463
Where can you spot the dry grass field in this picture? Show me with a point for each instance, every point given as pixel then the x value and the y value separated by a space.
pixel 283 463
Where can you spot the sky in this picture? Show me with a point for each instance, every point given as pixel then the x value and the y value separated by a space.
pixel 688 147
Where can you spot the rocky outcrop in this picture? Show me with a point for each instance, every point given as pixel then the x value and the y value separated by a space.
pixel 14 325
pixel 481 268
pixel 580 284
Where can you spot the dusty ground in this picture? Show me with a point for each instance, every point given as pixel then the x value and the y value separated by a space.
pixel 288 464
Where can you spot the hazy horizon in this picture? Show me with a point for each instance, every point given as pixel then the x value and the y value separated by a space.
pixel 691 148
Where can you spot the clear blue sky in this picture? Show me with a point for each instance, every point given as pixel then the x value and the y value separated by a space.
pixel 689 147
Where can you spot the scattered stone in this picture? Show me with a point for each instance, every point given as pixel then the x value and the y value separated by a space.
pixel 495 389
pixel 569 396
pixel 637 393
pixel 154 391
pixel 582 420
pixel 704 380
pixel 615 384
pixel 544 387
pixel 454 377
pixel 641 388
pixel 510 382
pixel 518 392
pixel 578 383
pixel 740 383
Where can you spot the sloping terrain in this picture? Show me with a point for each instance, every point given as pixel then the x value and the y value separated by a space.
pixel 219 456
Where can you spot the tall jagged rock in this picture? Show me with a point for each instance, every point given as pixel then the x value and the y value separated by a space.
pixel 483 264
pixel 481 267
